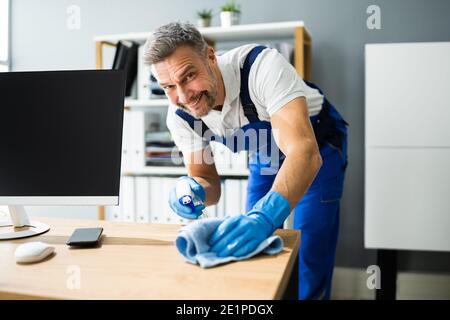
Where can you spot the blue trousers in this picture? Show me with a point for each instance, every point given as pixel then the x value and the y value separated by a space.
pixel 316 215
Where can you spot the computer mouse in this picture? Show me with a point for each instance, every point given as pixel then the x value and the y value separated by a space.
pixel 33 252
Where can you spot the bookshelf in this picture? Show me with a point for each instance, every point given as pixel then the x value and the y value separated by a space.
pixel 142 104
pixel 249 32
pixel 178 171
pixel 302 58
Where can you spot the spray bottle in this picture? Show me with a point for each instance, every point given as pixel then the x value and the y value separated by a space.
pixel 186 197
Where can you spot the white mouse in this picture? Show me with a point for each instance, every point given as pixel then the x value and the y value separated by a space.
pixel 33 252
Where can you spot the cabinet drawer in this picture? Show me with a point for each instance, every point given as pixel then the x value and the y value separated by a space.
pixel 407 198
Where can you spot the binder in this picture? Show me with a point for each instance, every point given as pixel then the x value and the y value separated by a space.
pixel 232 197
pixel 113 213
pixel 156 199
pixel 143 80
pixel 239 161
pixel 126 58
pixel 138 140
pixel 128 204
pixel 211 211
pixel 142 199
pixel 222 157
pixel 127 141
pixel 220 209
pixel 243 183
pixel 165 208
pixel 133 141
pixel 170 216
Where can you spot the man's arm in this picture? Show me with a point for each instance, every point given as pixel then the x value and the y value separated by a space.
pixel 295 137
pixel 201 167
pixel 241 234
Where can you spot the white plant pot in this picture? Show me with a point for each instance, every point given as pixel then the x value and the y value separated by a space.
pixel 228 18
pixel 203 23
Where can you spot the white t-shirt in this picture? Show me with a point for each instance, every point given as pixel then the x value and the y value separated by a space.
pixel 273 82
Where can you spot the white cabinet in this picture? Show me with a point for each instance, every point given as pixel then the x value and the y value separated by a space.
pixel 407 198
pixel 407 94
pixel 407 160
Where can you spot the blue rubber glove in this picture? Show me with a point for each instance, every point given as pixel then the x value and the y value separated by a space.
pixel 240 235
pixel 185 211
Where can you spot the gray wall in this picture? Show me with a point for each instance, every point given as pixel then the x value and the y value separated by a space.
pixel 41 40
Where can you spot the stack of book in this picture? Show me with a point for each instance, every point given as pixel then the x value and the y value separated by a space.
pixel 160 150
pixel 126 58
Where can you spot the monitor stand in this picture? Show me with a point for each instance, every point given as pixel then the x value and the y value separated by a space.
pixel 20 226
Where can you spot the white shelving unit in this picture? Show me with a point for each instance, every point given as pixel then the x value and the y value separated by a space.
pixel 250 33
pixel 178 171
pixel 257 31
pixel 141 104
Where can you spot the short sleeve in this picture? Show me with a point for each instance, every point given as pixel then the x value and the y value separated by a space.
pixel 275 81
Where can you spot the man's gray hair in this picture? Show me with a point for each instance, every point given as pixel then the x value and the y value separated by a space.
pixel 164 40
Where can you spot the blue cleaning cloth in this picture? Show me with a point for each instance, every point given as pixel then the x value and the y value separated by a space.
pixel 192 243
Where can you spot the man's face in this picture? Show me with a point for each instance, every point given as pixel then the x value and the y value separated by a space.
pixel 188 80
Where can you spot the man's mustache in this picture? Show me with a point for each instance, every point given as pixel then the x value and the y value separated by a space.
pixel 183 104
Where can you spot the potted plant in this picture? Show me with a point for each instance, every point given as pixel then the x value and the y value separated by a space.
pixel 204 18
pixel 230 14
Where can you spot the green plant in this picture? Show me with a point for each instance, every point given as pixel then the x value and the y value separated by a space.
pixel 205 14
pixel 231 7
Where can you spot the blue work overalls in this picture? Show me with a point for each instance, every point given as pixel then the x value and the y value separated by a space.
pixel 317 213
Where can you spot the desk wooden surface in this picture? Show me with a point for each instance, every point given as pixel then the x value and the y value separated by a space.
pixel 138 261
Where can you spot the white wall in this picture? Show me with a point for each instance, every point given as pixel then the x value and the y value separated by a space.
pixel 41 40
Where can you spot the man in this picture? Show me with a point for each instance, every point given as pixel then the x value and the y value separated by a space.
pixel 227 98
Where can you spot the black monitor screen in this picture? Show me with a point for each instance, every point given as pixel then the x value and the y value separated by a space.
pixel 61 133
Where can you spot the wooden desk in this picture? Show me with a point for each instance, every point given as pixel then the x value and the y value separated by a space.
pixel 139 261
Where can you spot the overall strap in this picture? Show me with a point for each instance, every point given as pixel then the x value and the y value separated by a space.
pixel 191 121
pixel 247 103
pixel 249 107
pixel 325 125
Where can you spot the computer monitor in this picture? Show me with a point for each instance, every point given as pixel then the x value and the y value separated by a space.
pixel 60 142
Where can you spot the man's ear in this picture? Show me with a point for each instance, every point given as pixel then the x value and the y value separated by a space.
pixel 211 55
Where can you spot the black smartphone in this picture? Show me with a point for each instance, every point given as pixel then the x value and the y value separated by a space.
pixel 85 237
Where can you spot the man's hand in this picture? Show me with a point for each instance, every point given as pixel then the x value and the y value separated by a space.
pixel 240 235
pixel 186 211
pixel 203 181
